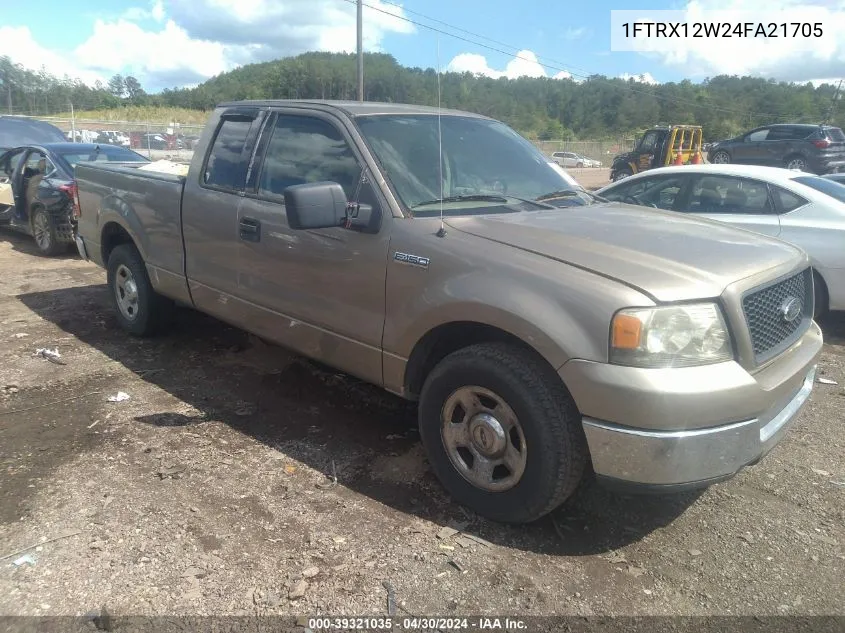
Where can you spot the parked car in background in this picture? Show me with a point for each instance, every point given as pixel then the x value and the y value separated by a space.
pixel 543 344
pixel 113 137
pixel 16 131
pixel 82 136
pixel 44 188
pixel 819 149
pixel 804 209
pixel 572 159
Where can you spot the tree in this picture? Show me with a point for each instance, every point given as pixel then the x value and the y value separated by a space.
pixel 133 89
pixel 117 86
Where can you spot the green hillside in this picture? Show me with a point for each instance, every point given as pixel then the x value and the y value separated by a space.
pixel 541 108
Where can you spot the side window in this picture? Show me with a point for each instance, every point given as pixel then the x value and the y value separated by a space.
pixel 759 135
pixel 787 201
pixel 649 141
pixel 302 150
pixel 726 194
pixel 10 163
pixel 226 166
pixel 662 192
pixel 658 190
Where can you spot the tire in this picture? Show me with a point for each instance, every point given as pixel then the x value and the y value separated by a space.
pixel 796 162
pixel 43 227
pixel 721 158
pixel 140 310
pixel 820 292
pixel 579 165
pixel 548 431
pixel 623 173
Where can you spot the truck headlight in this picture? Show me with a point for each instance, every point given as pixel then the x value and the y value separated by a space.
pixel 670 336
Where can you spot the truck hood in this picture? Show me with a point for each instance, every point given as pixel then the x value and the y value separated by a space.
pixel 666 255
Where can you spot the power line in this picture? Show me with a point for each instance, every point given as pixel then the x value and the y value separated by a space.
pixel 553 67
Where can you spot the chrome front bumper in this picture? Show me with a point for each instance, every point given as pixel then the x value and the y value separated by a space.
pixel 635 458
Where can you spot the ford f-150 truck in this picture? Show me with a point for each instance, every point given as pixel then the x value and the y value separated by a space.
pixel 548 335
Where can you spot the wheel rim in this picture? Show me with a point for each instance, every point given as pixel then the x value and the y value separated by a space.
pixel 621 176
pixel 484 439
pixel 41 230
pixel 720 158
pixel 796 163
pixel 126 292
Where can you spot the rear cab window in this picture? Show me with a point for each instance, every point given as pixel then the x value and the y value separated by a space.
pixel 227 161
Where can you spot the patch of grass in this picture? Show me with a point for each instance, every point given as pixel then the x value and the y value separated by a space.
pixel 142 114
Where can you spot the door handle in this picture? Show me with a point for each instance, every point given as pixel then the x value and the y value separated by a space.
pixel 250 230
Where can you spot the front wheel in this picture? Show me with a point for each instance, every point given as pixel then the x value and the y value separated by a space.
pixel 623 173
pixel 502 433
pixel 140 310
pixel 721 158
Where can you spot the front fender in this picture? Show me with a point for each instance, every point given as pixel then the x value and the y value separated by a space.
pixel 539 318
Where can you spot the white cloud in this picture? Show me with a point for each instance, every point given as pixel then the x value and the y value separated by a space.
pixel 17 43
pixel 643 78
pixel 188 41
pixel 788 59
pixel 523 64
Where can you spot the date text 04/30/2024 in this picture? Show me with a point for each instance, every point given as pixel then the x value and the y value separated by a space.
pixel 320 624
pixel 685 30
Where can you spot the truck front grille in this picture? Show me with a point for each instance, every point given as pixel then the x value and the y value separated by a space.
pixel 778 314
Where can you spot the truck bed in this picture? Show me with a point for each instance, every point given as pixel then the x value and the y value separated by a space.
pixel 146 205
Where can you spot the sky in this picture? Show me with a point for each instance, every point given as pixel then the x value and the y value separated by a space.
pixel 169 43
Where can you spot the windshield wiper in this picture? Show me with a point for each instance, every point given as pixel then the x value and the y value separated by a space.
pixel 463 198
pixel 569 193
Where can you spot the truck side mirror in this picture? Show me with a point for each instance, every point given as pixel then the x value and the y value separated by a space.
pixel 315 205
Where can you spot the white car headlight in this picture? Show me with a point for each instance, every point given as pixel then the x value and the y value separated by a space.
pixel 670 336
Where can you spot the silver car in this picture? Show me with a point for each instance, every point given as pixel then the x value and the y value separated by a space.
pixel 800 208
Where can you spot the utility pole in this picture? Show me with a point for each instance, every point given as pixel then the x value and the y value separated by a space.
pixel 360 50
pixel 72 124
pixel 833 103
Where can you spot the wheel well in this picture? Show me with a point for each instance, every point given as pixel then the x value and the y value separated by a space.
pixel 447 338
pixel 113 235
pixel 824 293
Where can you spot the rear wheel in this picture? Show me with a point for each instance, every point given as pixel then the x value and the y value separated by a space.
pixel 796 162
pixel 140 309
pixel 502 433
pixel 721 158
pixel 44 233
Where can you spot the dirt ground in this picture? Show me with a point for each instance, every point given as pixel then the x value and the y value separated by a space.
pixel 210 491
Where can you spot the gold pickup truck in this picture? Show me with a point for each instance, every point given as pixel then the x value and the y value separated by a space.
pixel 547 334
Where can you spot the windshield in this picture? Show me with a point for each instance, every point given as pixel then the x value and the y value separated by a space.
pixel 486 168
pixel 831 188
pixel 74 155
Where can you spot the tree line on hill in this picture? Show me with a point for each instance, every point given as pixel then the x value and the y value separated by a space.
pixel 541 108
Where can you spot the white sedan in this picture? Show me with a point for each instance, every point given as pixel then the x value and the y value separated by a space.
pixel 797 207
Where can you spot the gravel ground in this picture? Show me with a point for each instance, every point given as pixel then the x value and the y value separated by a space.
pixel 211 490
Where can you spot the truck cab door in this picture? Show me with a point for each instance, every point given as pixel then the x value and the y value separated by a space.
pixel 320 292
pixel 646 150
pixel 210 203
